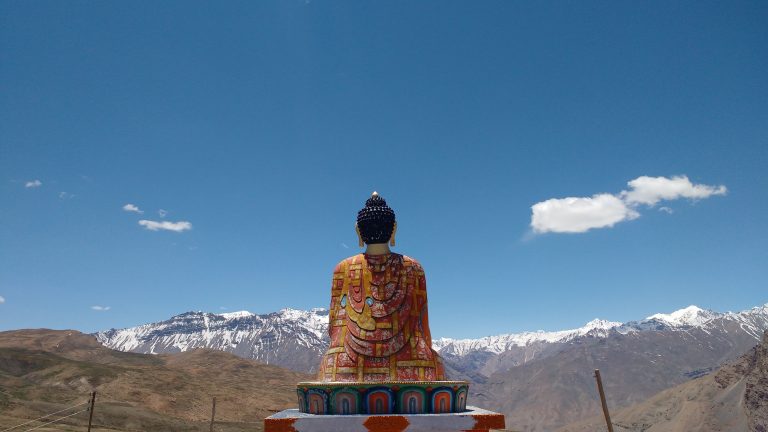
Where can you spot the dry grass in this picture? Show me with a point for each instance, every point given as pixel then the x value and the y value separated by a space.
pixel 43 371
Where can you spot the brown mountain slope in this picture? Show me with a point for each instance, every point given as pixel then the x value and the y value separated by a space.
pixel 559 389
pixel 42 371
pixel 734 399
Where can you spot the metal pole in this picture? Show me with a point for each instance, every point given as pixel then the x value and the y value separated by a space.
pixel 602 400
pixel 90 414
pixel 213 413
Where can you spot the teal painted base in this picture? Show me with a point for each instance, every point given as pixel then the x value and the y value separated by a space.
pixel 393 397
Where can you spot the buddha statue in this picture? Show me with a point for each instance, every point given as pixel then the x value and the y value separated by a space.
pixel 379 325
pixel 380 358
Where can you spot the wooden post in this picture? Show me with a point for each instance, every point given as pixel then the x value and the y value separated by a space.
pixel 213 413
pixel 602 400
pixel 90 414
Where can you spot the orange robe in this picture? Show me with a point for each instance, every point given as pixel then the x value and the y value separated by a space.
pixel 379 326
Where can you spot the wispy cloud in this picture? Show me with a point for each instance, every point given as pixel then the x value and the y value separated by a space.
pixel 2 299
pixel 101 308
pixel 179 226
pixel 581 214
pixel 162 213
pixel 344 245
pixel 651 190
pixel 132 208
pixel 66 195
pixel 33 184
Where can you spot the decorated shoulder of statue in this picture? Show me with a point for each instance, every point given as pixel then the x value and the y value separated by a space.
pixel 380 359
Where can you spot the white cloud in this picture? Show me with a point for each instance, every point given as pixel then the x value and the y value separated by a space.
pixel 33 184
pixel 162 213
pixel 66 195
pixel 651 190
pixel 165 225
pixel 132 208
pixel 2 299
pixel 101 308
pixel 578 215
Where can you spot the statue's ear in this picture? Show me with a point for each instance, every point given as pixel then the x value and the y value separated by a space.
pixel 360 241
pixel 392 238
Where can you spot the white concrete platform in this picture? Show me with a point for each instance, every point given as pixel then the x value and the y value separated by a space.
pixel 474 420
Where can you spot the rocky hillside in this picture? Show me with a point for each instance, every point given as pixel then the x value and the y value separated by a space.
pixel 548 393
pixel 732 399
pixel 43 371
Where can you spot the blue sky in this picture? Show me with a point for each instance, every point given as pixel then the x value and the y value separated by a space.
pixel 265 126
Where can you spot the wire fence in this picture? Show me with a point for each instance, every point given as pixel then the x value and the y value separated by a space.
pixel 46 416
pixel 57 420
pixel 46 420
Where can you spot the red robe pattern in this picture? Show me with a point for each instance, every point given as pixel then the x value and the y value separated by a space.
pixel 379 325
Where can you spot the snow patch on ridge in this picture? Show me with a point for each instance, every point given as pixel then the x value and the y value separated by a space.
pixel 501 343
pixel 690 316
pixel 238 314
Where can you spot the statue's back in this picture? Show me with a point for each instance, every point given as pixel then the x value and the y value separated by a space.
pixel 379 327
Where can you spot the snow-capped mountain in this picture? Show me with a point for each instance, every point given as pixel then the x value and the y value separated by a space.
pixel 751 321
pixel 296 339
pixel 538 378
pixel 690 316
pixel 477 359
pixel 501 343
pixel 290 338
